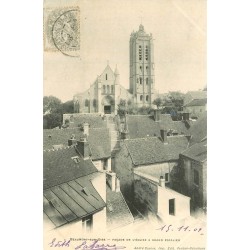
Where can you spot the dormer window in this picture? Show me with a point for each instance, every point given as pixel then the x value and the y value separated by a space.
pixel 76 159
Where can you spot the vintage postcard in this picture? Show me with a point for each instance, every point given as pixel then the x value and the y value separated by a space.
pixel 125 124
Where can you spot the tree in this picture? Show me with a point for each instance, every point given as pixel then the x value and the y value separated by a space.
pixel 177 98
pixel 122 108
pixel 68 107
pixel 157 102
pixel 52 112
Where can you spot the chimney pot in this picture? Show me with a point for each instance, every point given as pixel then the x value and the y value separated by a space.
pixel 164 134
pixel 157 113
pixel 162 181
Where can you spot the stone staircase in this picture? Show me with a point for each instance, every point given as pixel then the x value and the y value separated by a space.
pixel 114 133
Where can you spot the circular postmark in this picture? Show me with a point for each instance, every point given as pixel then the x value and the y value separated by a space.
pixel 65 33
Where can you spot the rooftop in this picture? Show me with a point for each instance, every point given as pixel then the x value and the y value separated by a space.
pixel 99 140
pixel 199 129
pixel 94 120
pixel 197 94
pixel 63 165
pixel 197 151
pixel 72 200
pixel 196 102
pixel 141 126
pixel 118 213
pixel 152 150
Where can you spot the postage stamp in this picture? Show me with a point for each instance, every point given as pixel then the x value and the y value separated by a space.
pixel 62 31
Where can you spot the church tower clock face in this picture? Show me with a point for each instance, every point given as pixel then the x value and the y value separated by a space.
pixel 142 67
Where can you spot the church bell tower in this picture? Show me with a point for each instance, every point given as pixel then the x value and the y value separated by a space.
pixel 142 77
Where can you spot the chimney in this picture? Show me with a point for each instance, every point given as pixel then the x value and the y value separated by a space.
pixel 157 113
pixel 185 116
pixel 83 147
pixel 72 141
pixel 164 133
pixel 162 181
pixel 86 128
pixel 111 178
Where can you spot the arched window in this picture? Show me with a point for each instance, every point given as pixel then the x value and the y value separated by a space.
pixel 108 89
pixel 86 103
pixel 147 98
pixel 112 89
pixel 140 80
pixel 140 52
pixel 104 89
pixel 141 98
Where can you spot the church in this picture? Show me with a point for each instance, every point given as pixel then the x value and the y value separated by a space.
pixel 105 93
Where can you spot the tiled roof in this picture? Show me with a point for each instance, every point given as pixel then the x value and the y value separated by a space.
pixel 99 140
pixel 70 201
pixel 152 150
pixel 94 120
pixel 196 102
pixel 199 129
pixel 141 126
pixel 100 143
pixel 198 151
pixel 118 213
pixel 58 167
pixel 197 94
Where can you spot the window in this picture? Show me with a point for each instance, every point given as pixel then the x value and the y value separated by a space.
pixel 87 223
pixel 147 98
pixel 112 89
pixel 196 177
pixel 104 89
pixel 108 89
pixel 86 103
pixel 146 80
pixel 141 98
pixel 140 52
pixel 171 206
pixel 140 67
pixel 140 80
pixel 166 177
pixel 106 76
pixel 146 53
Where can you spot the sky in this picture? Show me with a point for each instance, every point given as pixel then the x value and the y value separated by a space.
pixel 178 28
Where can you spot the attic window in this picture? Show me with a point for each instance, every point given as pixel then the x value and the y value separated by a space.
pixel 106 76
pixel 76 159
pixel 85 190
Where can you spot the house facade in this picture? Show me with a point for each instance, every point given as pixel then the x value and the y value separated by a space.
pixel 194 166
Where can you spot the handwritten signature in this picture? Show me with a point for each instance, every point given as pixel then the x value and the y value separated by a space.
pixel 169 228
pixel 95 245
